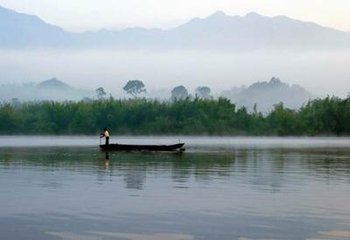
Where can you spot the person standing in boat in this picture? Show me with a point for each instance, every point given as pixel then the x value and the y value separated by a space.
pixel 105 134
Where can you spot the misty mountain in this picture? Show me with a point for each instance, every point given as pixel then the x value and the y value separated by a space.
pixel 255 31
pixel 215 32
pixel 52 89
pixel 266 94
pixel 23 30
pixel 53 84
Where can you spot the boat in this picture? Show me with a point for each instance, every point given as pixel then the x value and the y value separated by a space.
pixel 132 147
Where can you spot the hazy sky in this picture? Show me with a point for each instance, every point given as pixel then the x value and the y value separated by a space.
pixel 80 15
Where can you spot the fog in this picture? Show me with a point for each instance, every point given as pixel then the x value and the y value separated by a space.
pixel 321 73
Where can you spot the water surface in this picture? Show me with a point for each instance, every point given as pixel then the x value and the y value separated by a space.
pixel 220 188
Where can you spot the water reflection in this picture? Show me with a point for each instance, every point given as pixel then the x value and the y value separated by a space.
pixel 260 167
pixel 238 193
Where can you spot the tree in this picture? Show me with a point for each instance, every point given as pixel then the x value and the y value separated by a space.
pixel 283 120
pixel 179 92
pixel 134 87
pixel 203 92
pixel 100 92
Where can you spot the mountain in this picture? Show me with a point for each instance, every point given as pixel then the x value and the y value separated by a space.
pixel 255 31
pixel 22 30
pixel 266 94
pixel 52 89
pixel 215 32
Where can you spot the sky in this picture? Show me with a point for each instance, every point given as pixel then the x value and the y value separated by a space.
pixel 83 15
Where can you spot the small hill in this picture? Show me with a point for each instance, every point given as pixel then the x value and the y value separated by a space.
pixel 266 94
pixel 52 89
pixel 53 83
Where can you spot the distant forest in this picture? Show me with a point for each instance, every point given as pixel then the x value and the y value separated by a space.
pixel 327 116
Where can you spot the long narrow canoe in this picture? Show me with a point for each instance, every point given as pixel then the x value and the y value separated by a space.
pixel 128 147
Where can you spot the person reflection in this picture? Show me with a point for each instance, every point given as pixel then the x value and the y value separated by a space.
pixel 106 161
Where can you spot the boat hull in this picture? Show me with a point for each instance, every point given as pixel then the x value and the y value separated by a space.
pixel 128 147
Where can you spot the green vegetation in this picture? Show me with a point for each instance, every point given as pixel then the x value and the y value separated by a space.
pixel 329 116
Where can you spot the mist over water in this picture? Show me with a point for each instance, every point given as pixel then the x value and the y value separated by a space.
pixel 321 73
pixel 193 143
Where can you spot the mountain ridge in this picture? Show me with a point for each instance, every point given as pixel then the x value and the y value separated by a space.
pixel 217 31
pixel 18 29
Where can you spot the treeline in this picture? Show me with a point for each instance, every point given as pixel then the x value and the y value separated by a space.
pixel 328 116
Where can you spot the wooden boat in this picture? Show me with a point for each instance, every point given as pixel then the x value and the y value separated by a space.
pixel 130 147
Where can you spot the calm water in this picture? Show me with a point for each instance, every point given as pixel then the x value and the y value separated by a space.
pixel 220 188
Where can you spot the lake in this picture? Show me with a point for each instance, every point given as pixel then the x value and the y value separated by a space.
pixel 220 188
